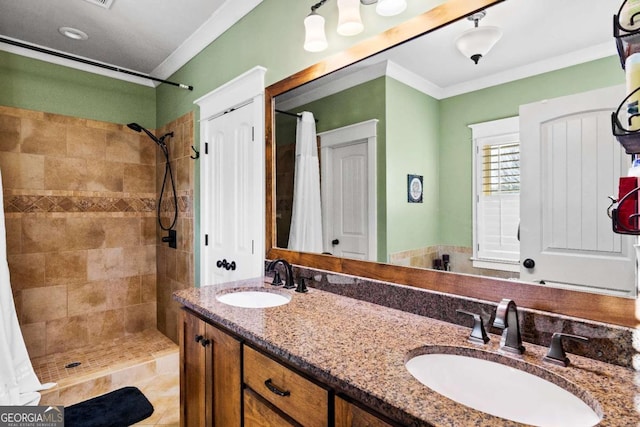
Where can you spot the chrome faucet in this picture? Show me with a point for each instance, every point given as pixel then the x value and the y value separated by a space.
pixel 507 320
pixel 288 271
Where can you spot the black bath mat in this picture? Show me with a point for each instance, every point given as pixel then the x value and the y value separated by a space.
pixel 119 408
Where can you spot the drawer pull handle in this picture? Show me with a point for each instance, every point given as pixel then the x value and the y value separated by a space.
pixel 276 390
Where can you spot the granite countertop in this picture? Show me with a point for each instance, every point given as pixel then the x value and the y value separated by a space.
pixel 360 349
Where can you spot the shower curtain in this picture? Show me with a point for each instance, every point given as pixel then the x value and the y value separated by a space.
pixel 18 382
pixel 306 216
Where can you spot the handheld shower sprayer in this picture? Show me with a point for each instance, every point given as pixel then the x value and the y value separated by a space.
pixel 171 237
pixel 160 141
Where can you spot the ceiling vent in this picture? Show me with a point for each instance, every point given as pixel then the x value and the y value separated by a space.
pixel 106 4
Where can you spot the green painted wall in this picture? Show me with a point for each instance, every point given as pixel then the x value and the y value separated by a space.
pixel 412 148
pixel 271 36
pixel 36 85
pixel 490 104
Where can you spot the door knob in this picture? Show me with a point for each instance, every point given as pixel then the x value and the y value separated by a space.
pixel 529 263
pixel 335 242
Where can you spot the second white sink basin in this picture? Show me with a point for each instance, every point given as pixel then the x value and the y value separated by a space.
pixel 501 390
pixel 253 299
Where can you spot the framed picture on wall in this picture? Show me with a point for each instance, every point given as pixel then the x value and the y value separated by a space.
pixel 414 188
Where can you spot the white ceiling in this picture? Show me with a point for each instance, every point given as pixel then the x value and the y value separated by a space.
pixel 146 36
pixel 158 36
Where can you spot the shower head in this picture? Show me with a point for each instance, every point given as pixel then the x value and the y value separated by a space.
pixel 136 127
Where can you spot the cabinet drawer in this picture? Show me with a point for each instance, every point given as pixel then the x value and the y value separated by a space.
pixel 259 414
pixel 294 395
pixel 351 415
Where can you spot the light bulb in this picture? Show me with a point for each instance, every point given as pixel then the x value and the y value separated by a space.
pixel 477 42
pixel 315 39
pixel 349 21
pixel 390 7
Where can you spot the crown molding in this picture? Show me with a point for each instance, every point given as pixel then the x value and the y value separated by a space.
pixel 529 70
pixel 359 75
pixel 221 20
pixel 341 81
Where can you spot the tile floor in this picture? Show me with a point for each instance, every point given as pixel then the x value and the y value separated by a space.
pixel 147 360
pixel 164 394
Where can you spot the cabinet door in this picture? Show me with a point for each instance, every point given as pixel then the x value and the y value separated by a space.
pixel 192 372
pixel 210 377
pixel 349 415
pixel 224 380
pixel 258 414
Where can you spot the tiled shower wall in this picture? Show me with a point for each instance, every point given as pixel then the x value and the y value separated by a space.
pixel 175 267
pixel 84 247
pixel 79 197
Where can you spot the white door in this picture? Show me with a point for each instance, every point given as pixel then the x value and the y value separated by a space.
pixel 348 236
pixel 348 183
pixel 570 164
pixel 232 175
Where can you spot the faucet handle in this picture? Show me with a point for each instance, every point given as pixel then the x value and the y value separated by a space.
pixel 277 281
pixel 302 286
pixel 556 352
pixel 478 333
pixel 288 285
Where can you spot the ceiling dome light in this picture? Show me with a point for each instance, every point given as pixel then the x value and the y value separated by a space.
pixel 73 33
pixel 315 39
pixel 349 21
pixel 478 41
pixel 390 7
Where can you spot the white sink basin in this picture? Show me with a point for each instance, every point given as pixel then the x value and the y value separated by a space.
pixel 501 390
pixel 253 299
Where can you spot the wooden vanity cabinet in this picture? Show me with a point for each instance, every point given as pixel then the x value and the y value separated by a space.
pixel 210 377
pixel 277 393
pixel 224 383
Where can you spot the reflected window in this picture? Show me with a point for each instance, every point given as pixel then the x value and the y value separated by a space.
pixel 496 194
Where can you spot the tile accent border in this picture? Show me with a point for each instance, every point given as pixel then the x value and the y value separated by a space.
pixel 46 204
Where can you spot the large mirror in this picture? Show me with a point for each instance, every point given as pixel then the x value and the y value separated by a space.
pixel 418 111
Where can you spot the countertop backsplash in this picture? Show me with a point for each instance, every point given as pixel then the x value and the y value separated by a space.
pixel 607 343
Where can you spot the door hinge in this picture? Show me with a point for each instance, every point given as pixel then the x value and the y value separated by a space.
pixel 206 240
pixel 206 148
pixel 252 246
pixel 253 131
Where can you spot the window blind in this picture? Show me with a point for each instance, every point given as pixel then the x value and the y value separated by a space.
pixel 501 168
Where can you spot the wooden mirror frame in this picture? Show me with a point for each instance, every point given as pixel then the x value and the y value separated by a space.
pixel 603 308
